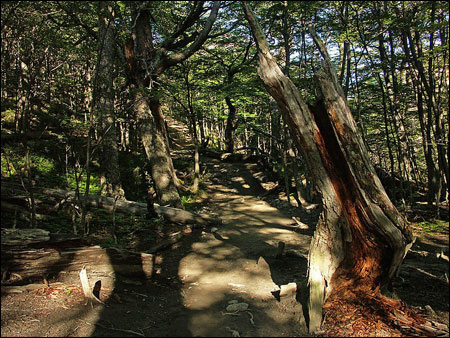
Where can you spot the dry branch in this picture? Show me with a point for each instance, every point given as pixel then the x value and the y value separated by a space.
pixel 88 294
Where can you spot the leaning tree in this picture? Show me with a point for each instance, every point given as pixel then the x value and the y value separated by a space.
pixel 148 55
pixel 361 238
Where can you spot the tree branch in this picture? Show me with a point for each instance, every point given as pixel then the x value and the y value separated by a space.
pixel 175 58
pixel 257 31
pixel 188 22
pixel 77 21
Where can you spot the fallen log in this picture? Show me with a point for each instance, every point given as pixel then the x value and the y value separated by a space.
pixel 23 237
pixel 21 212
pixel 174 215
pixel 33 254
pixel 35 264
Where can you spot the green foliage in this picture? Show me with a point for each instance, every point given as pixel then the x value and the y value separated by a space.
pixel 433 226
pixel 94 186
pixel 187 199
pixel 60 224
pixel 8 116
pixel 126 225
pixel 13 160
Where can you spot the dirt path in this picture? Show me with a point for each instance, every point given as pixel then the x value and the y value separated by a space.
pixel 195 281
pixel 237 262
pixel 208 270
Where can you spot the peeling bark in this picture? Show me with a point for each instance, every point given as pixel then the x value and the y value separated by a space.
pixel 360 239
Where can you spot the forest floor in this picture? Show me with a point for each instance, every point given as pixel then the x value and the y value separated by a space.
pixel 198 278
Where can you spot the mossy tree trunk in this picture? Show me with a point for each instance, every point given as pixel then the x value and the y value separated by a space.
pixel 361 238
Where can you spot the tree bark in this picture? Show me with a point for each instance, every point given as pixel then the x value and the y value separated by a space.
pixel 229 129
pixel 142 57
pixel 360 239
pixel 145 65
pixel 110 176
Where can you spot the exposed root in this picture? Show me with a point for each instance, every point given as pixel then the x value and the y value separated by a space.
pixel 364 314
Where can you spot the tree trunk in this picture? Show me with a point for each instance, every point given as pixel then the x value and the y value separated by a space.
pixel 229 130
pixel 145 64
pixel 275 128
pixel 196 182
pixel 110 176
pixel 141 57
pixel 360 239
pixel 155 145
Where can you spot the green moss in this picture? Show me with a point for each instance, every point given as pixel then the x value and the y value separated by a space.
pixel 12 161
pixel 432 227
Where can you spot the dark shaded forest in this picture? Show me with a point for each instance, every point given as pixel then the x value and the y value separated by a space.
pixel 131 131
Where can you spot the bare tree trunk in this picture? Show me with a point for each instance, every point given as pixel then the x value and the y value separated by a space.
pixel 145 64
pixel 229 129
pixel 360 239
pixel 155 144
pixel 110 176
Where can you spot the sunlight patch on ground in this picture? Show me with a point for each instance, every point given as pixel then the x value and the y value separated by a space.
pixel 211 250
pixel 200 295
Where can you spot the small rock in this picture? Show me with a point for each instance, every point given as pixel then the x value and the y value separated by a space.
pixel 214 229
pixel 237 307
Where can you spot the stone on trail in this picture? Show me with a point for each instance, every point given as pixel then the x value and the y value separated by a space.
pixel 237 307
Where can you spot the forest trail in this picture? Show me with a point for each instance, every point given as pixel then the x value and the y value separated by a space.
pixel 235 261
pixel 198 278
